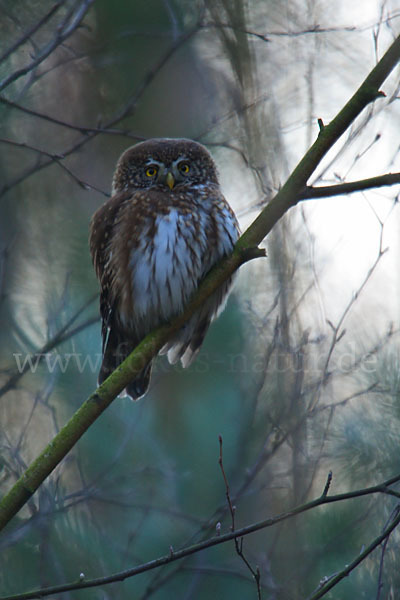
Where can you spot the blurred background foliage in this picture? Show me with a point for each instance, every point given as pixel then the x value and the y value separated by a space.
pixel 300 374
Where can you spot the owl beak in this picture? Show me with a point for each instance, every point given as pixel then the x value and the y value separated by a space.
pixel 170 180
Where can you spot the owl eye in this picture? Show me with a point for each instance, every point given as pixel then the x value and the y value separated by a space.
pixel 184 168
pixel 151 171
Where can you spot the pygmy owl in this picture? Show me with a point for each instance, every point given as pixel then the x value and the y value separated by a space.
pixel 166 224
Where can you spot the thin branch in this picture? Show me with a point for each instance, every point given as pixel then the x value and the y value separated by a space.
pixel 312 193
pixel 384 546
pixel 56 158
pixel 324 589
pixel 232 509
pixel 327 485
pixel 314 28
pixel 78 128
pixel 175 555
pixel 337 331
pixel 264 37
pixel 238 540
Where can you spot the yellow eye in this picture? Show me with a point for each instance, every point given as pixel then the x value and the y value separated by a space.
pixel 151 171
pixel 184 168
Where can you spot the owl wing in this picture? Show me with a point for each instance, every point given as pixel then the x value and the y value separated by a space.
pixel 101 230
pixel 101 233
pixel 116 344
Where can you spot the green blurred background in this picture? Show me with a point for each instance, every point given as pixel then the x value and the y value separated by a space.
pixel 291 395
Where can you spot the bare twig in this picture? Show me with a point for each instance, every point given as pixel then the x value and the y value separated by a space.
pixel 238 541
pixel 57 158
pixel 327 485
pixel 312 29
pixel 78 128
pixel 395 512
pixel 337 330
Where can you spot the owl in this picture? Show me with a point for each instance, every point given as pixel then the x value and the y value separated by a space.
pixel 164 227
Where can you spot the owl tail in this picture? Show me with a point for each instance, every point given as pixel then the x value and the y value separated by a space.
pixel 114 354
pixel 139 386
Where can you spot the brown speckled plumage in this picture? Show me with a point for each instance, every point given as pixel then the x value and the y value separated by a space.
pixel 152 242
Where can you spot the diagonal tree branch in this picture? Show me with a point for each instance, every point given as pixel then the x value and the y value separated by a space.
pixel 245 249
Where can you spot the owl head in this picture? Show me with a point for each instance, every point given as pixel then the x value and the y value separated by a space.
pixel 165 163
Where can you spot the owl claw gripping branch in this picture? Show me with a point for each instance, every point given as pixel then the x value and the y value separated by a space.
pixel 165 226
